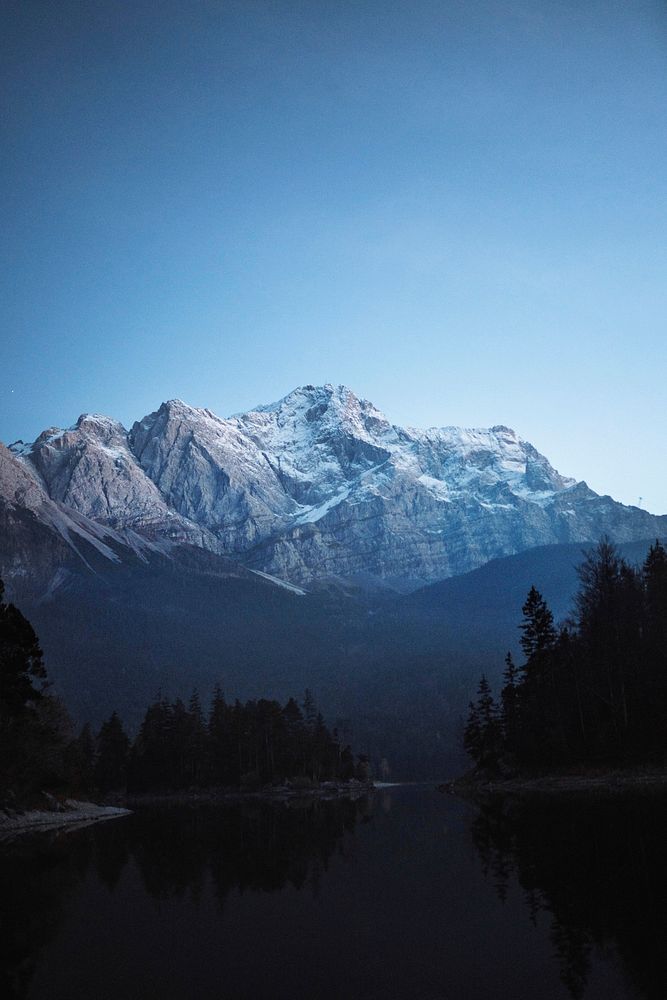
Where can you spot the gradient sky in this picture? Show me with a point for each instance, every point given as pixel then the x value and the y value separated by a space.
pixel 458 209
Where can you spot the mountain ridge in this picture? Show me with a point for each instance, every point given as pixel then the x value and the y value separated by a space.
pixel 320 485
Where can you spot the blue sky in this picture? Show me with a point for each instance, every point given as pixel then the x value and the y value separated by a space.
pixel 457 208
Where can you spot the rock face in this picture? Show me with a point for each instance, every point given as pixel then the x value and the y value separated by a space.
pixel 41 538
pixel 90 469
pixel 321 485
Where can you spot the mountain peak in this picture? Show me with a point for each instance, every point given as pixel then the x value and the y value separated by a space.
pixel 320 484
pixel 98 423
pixel 176 406
pixel 309 395
pixel 503 429
pixel 328 403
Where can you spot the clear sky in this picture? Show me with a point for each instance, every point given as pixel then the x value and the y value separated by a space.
pixel 458 209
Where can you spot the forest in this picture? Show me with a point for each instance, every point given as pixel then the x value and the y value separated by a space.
pixel 177 747
pixel 591 691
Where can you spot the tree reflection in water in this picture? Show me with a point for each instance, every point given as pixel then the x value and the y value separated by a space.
pixel 259 846
pixel 38 881
pixel 598 866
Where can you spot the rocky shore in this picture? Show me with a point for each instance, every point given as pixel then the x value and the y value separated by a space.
pixel 69 815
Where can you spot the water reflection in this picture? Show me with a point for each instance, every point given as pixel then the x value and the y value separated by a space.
pixel 380 899
pixel 257 846
pixel 37 884
pixel 598 867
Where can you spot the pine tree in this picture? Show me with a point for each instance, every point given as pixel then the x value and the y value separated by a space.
pixel 112 755
pixel 221 740
pixel 537 628
pixel 654 576
pixel 83 759
pixel 510 696
pixel 196 743
pixel 31 748
pixel 608 607
pixel 483 735
pixel 292 749
pixel 323 752
pixel 21 663
pixel 346 764
pixel 149 761
pixel 597 691
pixel 362 769
pixel 309 709
pixel 268 732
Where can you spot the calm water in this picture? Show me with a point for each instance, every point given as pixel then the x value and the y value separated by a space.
pixel 406 894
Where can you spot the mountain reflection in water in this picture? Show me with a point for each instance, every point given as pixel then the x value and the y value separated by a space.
pixel 256 845
pixel 406 894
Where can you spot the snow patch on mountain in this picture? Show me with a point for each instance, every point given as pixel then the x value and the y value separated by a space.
pixel 280 583
pixel 321 484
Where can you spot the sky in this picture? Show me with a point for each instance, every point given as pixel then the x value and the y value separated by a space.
pixel 458 209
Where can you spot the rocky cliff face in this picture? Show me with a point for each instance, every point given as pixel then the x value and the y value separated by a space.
pixel 43 541
pixel 90 468
pixel 321 485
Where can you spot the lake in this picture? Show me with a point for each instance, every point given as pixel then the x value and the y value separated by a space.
pixel 406 893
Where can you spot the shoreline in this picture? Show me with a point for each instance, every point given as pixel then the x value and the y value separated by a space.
pixel 613 782
pixel 328 791
pixel 75 816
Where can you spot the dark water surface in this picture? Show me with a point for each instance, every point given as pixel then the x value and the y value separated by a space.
pixel 405 894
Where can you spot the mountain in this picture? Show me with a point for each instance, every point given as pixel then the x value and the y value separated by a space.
pixel 288 547
pixel 393 672
pixel 476 614
pixel 42 541
pixel 321 487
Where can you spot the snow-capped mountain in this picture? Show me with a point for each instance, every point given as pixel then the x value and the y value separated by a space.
pixel 40 539
pixel 321 485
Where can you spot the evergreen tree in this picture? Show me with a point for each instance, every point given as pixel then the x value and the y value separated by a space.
pixel 112 755
pixel 538 633
pixel 51 739
pixel 536 710
pixel 179 749
pixel 82 761
pixel 294 747
pixel 362 770
pixel 268 733
pixel 309 709
pixel 483 734
pixel 33 727
pixel 324 753
pixel 654 575
pixel 510 704
pixel 608 606
pixel 21 663
pixel 221 740
pixel 149 760
pixel 597 690
pixel 346 764
pixel 196 756
pixel 249 745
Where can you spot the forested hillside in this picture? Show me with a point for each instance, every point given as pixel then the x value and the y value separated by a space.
pixel 594 689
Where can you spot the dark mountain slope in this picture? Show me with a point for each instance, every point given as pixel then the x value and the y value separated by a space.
pixel 395 675
pixel 122 616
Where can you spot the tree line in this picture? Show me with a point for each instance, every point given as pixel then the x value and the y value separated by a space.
pixel 236 745
pixel 177 747
pixel 594 689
